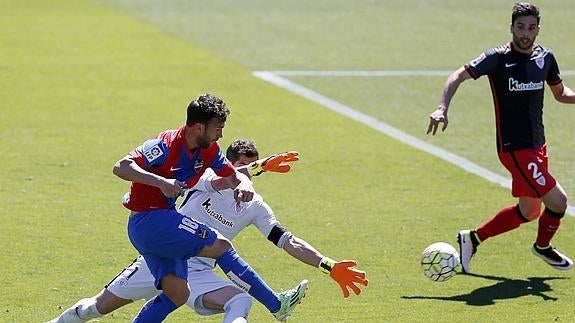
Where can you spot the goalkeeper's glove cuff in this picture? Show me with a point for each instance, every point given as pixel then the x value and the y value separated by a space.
pixel 326 264
pixel 256 167
pixel 278 163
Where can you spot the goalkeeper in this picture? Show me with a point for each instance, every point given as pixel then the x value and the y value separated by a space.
pixel 211 202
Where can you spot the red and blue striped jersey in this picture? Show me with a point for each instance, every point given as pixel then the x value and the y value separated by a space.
pixel 169 156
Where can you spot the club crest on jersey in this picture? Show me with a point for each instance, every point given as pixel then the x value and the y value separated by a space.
pixel 198 165
pixel 540 61
pixel 153 153
pixel 540 180
pixel 123 282
pixel 239 207
pixel 203 233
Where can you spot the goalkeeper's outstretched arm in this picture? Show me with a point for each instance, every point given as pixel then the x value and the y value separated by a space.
pixel 278 163
pixel 343 272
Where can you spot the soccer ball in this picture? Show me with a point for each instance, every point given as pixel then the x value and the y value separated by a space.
pixel 440 261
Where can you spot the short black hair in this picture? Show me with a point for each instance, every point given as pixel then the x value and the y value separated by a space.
pixel 521 9
pixel 239 147
pixel 206 107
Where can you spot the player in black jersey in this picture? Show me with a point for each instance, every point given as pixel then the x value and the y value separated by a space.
pixel 517 72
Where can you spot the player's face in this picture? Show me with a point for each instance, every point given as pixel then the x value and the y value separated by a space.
pixel 524 30
pixel 212 131
pixel 243 160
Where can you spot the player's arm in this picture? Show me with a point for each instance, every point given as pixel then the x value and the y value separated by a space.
pixel 451 85
pixel 343 272
pixel 219 183
pixel 562 93
pixel 242 186
pixel 127 169
pixel 278 163
pixel 303 251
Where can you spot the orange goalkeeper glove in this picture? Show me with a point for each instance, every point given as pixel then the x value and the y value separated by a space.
pixel 344 274
pixel 275 163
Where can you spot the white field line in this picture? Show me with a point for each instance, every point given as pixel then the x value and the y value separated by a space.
pixel 274 77
pixel 387 73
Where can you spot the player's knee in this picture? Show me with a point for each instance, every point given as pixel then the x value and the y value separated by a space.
pixel 176 289
pixel 237 307
pixel 217 248
pixel 559 205
pixel 178 297
pixel 529 211
pixel 556 200
pixel 107 302
pixel 223 244
pixel 557 208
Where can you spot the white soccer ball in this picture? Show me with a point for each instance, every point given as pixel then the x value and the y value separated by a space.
pixel 440 261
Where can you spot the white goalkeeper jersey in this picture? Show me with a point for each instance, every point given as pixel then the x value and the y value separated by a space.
pixel 220 211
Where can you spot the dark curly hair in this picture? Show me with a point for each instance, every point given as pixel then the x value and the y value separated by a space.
pixel 206 107
pixel 521 9
pixel 240 147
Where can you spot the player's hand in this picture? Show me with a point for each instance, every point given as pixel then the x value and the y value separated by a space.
pixel 275 163
pixel 172 187
pixel 438 116
pixel 346 276
pixel 244 192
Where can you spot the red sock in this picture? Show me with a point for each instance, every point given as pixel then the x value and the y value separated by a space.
pixel 506 219
pixel 549 222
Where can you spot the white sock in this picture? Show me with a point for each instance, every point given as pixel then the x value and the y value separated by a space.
pixel 87 309
pixel 83 311
pixel 237 308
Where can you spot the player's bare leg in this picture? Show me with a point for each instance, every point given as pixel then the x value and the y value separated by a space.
pixel 233 302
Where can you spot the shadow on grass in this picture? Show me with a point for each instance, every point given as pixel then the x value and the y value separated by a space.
pixel 505 288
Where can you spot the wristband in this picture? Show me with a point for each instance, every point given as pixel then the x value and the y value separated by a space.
pixel 256 168
pixel 326 264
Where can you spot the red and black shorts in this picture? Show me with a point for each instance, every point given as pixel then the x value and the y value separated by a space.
pixel 529 171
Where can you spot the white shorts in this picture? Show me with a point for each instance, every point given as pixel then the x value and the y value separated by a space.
pixel 136 282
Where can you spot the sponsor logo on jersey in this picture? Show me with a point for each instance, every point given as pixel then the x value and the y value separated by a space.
pixel 153 153
pixel 515 85
pixel 198 165
pixel 218 217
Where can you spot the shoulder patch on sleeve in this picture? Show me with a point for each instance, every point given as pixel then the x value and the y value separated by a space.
pixel 154 151
pixel 477 60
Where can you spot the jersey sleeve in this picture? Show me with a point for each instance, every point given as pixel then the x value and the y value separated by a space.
pixel 553 76
pixel 204 184
pixel 484 64
pixel 151 153
pixel 264 218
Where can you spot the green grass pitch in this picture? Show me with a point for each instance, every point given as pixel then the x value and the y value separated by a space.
pixel 82 82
